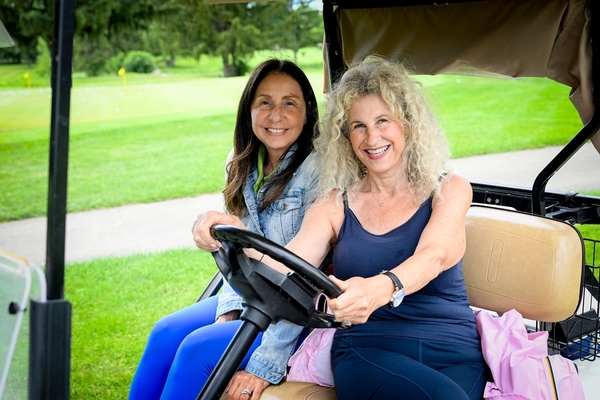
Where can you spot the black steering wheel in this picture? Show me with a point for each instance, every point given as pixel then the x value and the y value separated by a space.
pixel 258 283
pixel 269 296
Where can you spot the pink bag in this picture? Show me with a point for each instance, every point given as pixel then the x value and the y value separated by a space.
pixel 520 364
pixel 312 362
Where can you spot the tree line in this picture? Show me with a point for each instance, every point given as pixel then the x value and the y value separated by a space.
pixel 107 30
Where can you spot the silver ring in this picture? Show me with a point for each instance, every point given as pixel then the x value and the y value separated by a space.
pixel 247 391
pixel 346 323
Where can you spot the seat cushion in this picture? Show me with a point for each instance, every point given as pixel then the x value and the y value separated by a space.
pixel 296 391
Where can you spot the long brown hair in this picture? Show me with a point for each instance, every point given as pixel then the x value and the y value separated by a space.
pixel 246 144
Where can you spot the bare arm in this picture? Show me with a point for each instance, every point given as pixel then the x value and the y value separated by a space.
pixel 311 243
pixel 318 231
pixel 441 246
pixel 443 241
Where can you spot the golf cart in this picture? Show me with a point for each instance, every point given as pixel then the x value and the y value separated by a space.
pixel 541 265
pixel 523 251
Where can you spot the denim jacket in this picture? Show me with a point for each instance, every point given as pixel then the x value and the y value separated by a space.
pixel 279 222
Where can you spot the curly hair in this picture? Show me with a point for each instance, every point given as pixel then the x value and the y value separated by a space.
pixel 426 153
pixel 246 144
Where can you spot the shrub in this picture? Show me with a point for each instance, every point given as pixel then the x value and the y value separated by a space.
pixel 43 63
pixel 139 61
pixel 242 67
pixel 91 55
pixel 115 63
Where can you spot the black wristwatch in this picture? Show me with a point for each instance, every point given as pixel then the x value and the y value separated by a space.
pixel 398 294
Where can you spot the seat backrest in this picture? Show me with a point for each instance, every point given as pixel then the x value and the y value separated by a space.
pixel 527 262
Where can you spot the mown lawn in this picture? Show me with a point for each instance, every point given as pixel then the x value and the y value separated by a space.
pixel 159 138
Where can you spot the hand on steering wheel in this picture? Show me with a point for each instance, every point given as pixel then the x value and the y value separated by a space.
pixel 304 275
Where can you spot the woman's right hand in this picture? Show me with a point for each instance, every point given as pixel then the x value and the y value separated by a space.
pixel 202 225
pixel 228 316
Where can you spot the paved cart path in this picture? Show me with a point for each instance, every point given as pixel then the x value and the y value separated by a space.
pixel 146 228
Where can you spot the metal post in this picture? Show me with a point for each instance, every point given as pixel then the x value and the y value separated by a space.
pixel 50 322
pixel 49 350
pixel 62 55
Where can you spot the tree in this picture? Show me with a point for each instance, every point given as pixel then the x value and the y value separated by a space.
pixel 236 43
pixel 223 30
pixel 105 30
pixel 26 21
pixel 43 64
pixel 174 31
pixel 290 24
pixel 235 31
pixel 108 29
pixel 304 25
pixel 111 17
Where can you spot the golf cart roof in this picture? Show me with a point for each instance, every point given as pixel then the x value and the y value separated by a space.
pixel 515 38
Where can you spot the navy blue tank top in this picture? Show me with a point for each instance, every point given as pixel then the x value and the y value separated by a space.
pixel 439 311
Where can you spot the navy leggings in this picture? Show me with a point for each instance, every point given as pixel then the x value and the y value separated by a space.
pixel 391 368
pixel 182 350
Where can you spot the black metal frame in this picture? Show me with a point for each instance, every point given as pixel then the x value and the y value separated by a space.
pixel 50 321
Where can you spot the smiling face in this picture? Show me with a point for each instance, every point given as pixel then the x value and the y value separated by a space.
pixel 376 135
pixel 278 113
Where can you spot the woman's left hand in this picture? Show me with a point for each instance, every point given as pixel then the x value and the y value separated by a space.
pixel 205 221
pixel 357 303
pixel 244 386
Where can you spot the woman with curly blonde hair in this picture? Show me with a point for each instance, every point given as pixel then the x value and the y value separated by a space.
pixel 426 152
pixel 395 220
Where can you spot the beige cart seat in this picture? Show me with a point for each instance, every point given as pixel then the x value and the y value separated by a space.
pixel 513 260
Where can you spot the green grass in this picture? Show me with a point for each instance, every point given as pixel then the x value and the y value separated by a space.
pixel 135 164
pixel 116 301
pixel 154 137
pixel 159 138
pixel 487 116
pixel 13 76
pixel 591 235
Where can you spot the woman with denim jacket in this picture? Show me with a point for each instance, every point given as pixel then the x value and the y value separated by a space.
pixel 269 187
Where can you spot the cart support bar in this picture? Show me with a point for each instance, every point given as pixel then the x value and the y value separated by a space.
pixel 49 350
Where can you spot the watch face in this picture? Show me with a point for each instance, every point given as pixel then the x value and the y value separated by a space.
pixel 397 297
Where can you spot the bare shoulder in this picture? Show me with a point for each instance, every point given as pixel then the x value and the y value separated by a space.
pixel 456 189
pixel 455 183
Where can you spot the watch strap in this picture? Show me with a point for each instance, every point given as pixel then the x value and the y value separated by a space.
pixel 397 284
